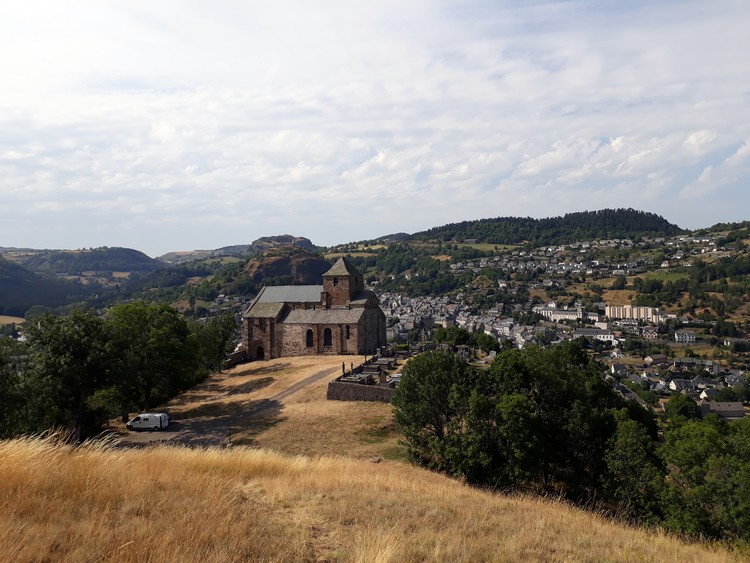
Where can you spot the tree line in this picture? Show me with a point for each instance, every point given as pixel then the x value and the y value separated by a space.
pixel 81 370
pixel 545 420
pixel 586 225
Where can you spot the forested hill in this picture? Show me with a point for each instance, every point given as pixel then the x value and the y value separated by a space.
pixel 20 289
pixel 585 225
pixel 102 259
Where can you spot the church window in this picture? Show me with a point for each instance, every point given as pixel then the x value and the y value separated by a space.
pixel 347 332
pixel 327 337
pixel 335 281
pixel 309 338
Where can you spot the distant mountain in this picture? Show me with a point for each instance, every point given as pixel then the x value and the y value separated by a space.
pixel 20 289
pixel 585 225
pixel 257 247
pixel 287 265
pixel 102 259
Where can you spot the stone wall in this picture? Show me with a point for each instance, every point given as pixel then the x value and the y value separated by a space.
pixel 293 340
pixel 338 391
pixel 373 331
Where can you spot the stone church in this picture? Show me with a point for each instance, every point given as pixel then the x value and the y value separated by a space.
pixel 338 317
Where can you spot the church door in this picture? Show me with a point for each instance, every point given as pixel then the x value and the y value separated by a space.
pixel 259 355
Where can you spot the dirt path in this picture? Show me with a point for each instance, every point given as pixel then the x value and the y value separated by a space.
pixel 227 403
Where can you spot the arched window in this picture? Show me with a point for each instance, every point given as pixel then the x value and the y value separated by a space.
pixel 335 281
pixel 327 337
pixel 347 332
pixel 309 338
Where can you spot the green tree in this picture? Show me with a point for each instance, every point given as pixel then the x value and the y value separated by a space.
pixel 217 336
pixel 423 405
pixel 69 362
pixel 155 353
pixel 635 473
pixel 453 335
pixel 620 282
pixel 11 392
pixel 680 408
pixel 535 418
pixel 485 342
pixel 690 451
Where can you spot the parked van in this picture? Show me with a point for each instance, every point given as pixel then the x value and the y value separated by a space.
pixel 149 421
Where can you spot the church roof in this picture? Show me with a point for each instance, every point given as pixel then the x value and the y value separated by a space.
pixel 264 310
pixel 324 316
pixel 361 298
pixel 290 294
pixel 342 267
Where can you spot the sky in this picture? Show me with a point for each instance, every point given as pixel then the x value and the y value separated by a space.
pixel 180 125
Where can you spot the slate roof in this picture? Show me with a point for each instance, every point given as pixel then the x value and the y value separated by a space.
pixel 361 298
pixel 342 267
pixel 324 316
pixel 264 310
pixel 290 294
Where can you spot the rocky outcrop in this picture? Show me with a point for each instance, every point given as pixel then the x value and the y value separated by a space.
pixel 297 265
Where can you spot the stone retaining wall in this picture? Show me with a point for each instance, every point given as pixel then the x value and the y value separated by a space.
pixel 338 391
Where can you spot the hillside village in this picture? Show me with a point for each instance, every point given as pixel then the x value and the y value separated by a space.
pixel 543 296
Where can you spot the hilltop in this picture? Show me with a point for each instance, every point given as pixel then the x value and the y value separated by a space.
pixel 258 246
pixel 337 493
pixel 585 225
pixel 102 259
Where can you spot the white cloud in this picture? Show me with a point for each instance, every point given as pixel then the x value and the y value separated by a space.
pixel 346 121
pixel 713 177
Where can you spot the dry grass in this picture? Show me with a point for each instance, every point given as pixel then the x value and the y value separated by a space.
pixel 242 504
pixel 280 404
pixel 307 422
pixel 7 319
pixel 618 296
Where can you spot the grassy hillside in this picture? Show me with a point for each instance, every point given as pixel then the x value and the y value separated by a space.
pixel 243 504
pixel 296 498
pixel 20 289
pixel 97 259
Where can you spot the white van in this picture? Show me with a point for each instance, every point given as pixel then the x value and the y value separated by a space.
pixel 149 421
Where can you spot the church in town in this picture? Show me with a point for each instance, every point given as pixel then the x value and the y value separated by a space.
pixel 338 317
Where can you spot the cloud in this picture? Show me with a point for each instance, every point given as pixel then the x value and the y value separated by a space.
pixel 713 177
pixel 137 121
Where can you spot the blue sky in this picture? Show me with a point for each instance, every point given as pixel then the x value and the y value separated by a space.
pixel 180 125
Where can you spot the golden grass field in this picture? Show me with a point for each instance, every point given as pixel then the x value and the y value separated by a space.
pixel 306 487
pixel 7 319
pixel 248 504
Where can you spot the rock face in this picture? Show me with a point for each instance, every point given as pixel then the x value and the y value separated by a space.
pixel 264 243
pixel 300 266
pixel 257 247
